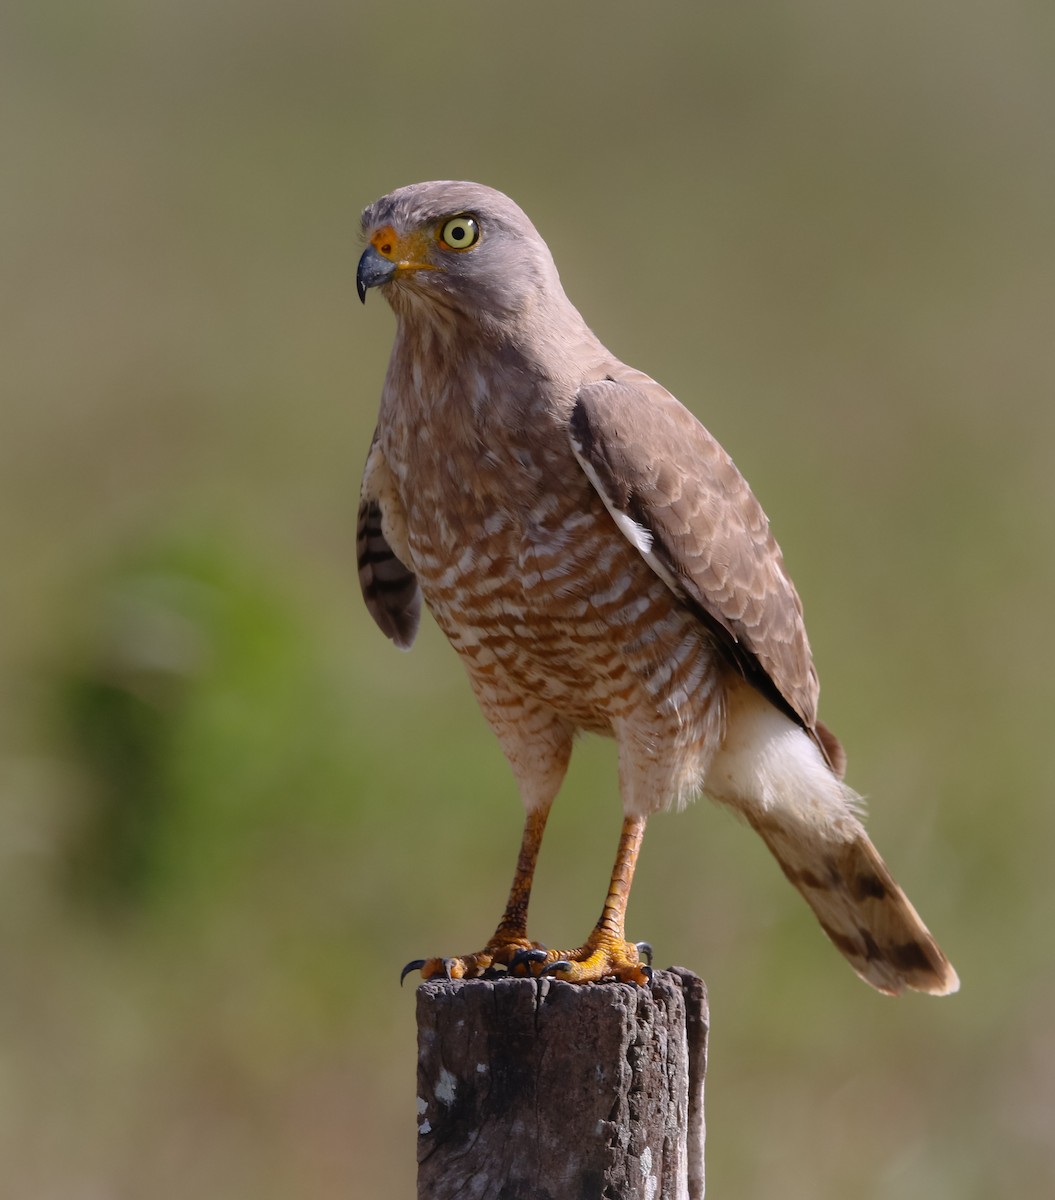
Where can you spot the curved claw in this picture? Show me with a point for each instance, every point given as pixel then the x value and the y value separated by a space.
pixel 648 974
pixel 561 964
pixel 534 954
pixel 645 950
pixel 415 965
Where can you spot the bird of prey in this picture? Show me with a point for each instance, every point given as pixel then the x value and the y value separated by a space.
pixel 599 564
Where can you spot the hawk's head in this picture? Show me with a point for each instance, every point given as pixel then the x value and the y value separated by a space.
pixel 455 245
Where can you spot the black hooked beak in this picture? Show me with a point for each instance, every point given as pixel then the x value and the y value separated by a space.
pixel 374 269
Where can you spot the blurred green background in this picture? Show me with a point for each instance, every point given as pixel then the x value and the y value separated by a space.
pixel 230 810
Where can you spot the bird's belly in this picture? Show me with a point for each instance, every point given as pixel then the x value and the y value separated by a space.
pixel 565 611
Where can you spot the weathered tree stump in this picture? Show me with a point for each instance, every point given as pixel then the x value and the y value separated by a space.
pixel 541 1090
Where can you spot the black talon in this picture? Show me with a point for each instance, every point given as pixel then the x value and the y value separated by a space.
pixel 648 974
pixel 447 968
pixel 644 948
pixel 561 964
pixel 416 965
pixel 527 956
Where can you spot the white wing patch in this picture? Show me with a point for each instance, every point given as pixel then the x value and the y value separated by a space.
pixel 635 533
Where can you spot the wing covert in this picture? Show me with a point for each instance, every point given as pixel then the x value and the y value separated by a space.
pixel 678 496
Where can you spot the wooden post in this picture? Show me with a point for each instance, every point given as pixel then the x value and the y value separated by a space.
pixel 541 1090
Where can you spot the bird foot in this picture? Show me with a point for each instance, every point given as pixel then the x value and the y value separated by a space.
pixel 508 952
pixel 601 957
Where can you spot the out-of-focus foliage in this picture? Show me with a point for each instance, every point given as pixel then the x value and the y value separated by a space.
pixel 229 811
pixel 196 708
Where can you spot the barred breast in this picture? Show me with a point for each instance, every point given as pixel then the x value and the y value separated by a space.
pixel 547 602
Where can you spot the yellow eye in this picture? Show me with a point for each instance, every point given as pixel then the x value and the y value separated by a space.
pixel 459 233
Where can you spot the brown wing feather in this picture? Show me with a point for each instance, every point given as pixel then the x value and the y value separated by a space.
pixel 653 462
pixel 389 588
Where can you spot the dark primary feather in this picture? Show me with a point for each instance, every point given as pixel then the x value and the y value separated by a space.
pixel 390 590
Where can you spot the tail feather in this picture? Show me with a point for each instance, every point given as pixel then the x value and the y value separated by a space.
pixel 861 908
pixel 777 776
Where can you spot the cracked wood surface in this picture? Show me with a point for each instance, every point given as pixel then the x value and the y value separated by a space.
pixel 542 1090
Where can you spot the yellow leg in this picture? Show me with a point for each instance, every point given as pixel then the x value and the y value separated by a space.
pixel 510 938
pixel 513 925
pixel 606 953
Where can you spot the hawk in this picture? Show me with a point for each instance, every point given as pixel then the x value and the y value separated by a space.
pixel 599 564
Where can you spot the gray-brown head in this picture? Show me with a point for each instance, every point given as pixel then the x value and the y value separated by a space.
pixel 449 245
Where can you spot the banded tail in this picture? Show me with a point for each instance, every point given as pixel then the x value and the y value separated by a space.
pixel 863 911
pixel 771 771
